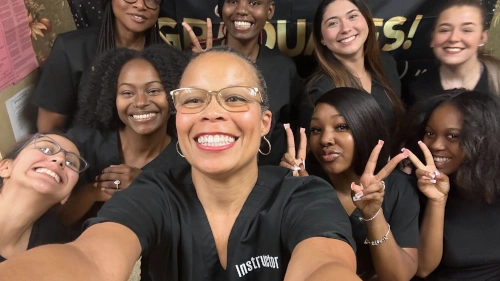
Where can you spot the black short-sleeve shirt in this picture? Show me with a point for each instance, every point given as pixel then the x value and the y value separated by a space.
pixel 401 208
pixel 284 87
pixel 428 84
pixel 325 84
pixel 470 244
pixel 163 210
pixel 71 56
pixel 47 230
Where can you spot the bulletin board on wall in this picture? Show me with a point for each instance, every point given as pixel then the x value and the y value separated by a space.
pixel 39 21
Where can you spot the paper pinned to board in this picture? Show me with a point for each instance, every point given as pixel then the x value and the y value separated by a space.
pixel 17 57
pixel 16 106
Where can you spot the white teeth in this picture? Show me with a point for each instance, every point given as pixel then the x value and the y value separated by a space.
pixel 441 159
pixel 453 49
pixel 215 140
pixel 48 172
pixel 348 39
pixel 242 24
pixel 144 116
pixel 138 17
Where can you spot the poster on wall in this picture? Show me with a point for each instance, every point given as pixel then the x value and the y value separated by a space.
pixel 17 58
pixel 16 107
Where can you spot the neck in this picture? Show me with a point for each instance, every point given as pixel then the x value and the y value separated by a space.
pixel 462 72
pixel 127 39
pixel 355 64
pixel 19 209
pixel 225 193
pixel 249 48
pixel 342 182
pixel 142 148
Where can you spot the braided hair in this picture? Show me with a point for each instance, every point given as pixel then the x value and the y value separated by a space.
pixel 107 40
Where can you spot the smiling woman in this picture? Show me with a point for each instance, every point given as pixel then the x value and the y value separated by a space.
pixel 38 174
pixel 131 24
pixel 224 217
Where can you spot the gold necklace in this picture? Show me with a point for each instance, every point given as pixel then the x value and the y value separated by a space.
pixel 364 72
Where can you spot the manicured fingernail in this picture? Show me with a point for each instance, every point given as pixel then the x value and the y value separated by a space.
pixel 287 126
pixel 437 173
pixel 352 184
pixel 419 142
pixel 403 149
pixel 432 175
pixel 433 181
pixel 356 198
pixel 302 130
pixel 295 168
pixel 359 194
pixel 380 142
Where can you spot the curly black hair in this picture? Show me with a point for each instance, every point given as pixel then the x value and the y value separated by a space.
pixel 97 100
pixel 478 175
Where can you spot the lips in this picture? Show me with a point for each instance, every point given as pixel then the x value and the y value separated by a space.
pixel 138 18
pixel 348 39
pixel 48 172
pixel 215 140
pixel 329 156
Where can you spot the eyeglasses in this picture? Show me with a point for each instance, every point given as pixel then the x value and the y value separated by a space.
pixel 48 146
pixel 233 99
pixel 150 4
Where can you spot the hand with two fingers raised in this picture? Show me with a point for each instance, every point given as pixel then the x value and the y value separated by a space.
pixel 369 194
pixel 433 184
pixel 196 46
pixel 122 173
pixel 295 161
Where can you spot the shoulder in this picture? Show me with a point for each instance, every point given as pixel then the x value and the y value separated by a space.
pixel 49 231
pixel 78 39
pixel 276 59
pixel 322 84
pixel 167 159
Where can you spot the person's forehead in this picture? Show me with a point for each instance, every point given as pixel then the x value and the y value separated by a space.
pixel 219 68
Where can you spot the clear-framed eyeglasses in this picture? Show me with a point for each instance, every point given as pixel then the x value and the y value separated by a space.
pixel 48 146
pixel 232 99
pixel 150 4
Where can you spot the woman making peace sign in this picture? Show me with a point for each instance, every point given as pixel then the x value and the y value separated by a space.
pixel 461 183
pixel 381 203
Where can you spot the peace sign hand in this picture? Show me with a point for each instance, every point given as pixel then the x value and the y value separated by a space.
pixel 369 195
pixel 292 161
pixel 431 182
pixel 196 46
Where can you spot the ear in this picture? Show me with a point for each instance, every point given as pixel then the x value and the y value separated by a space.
pixel 267 118
pixel 484 37
pixel 270 12
pixel 5 168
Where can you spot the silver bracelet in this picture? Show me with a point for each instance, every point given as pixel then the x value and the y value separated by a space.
pixel 380 241
pixel 363 219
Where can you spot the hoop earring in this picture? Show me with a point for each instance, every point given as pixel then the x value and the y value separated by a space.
pixel 178 150
pixel 216 11
pixel 268 143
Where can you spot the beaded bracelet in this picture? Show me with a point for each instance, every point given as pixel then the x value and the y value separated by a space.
pixel 363 219
pixel 380 241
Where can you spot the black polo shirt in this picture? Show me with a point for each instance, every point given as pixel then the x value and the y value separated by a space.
pixel 470 244
pixel 163 210
pixel 47 230
pixel 72 55
pixel 428 84
pixel 401 208
pixel 325 84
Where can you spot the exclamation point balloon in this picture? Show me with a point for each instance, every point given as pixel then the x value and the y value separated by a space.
pixel 411 33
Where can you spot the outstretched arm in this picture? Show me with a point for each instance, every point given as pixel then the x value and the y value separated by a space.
pixel 98 254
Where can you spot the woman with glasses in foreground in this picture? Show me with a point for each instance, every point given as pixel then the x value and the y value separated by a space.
pixel 225 218
pixel 35 176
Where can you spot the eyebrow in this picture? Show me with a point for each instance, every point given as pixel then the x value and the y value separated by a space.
pixel 336 17
pixel 466 23
pixel 146 84
pixel 333 116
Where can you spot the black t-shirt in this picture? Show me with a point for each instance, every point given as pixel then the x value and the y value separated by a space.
pixel 401 208
pixel 284 87
pixel 470 244
pixel 163 210
pixel 428 84
pixel 72 55
pixel 325 84
pixel 47 230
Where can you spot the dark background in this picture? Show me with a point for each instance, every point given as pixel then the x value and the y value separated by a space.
pixel 411 61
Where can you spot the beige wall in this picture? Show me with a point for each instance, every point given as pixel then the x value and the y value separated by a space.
pixel 47 19
pixel 494 34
